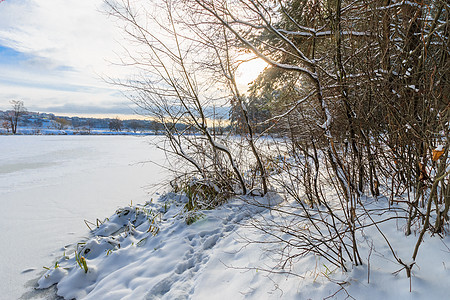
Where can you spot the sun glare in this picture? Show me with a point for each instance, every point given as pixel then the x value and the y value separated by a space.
pixel 248 72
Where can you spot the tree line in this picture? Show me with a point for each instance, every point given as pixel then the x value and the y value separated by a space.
pixel 19 116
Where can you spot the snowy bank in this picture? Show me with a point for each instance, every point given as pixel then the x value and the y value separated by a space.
pixel 149 252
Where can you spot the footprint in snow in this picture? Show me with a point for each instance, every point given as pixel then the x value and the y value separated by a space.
pixel 211 242
pixel 160 289
pixel 202 234
pixel 229 228
pixel 187 265
pixel 193 259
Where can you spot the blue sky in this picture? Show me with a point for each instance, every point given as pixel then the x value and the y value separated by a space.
pixel 11 59
pixel 9 56
pixel 54 54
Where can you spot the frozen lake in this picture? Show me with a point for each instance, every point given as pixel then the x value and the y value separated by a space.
pixel 50 184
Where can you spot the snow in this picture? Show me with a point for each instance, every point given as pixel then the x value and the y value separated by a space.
pixel 439 148
pixel 413 87
pixel 147 250
pixel 215 256
pixel 50 184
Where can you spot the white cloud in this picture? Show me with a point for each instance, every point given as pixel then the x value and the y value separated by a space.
pixel 74 33
pixel 69 45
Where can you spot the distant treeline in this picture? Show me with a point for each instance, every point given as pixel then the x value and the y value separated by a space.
pixel 41 121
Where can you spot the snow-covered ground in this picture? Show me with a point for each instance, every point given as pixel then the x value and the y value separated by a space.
pixel 50 184
pixel 146 250
pixel 149 252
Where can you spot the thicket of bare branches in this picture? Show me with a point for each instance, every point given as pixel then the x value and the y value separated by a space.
pixel 12 116
pixel 357 91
